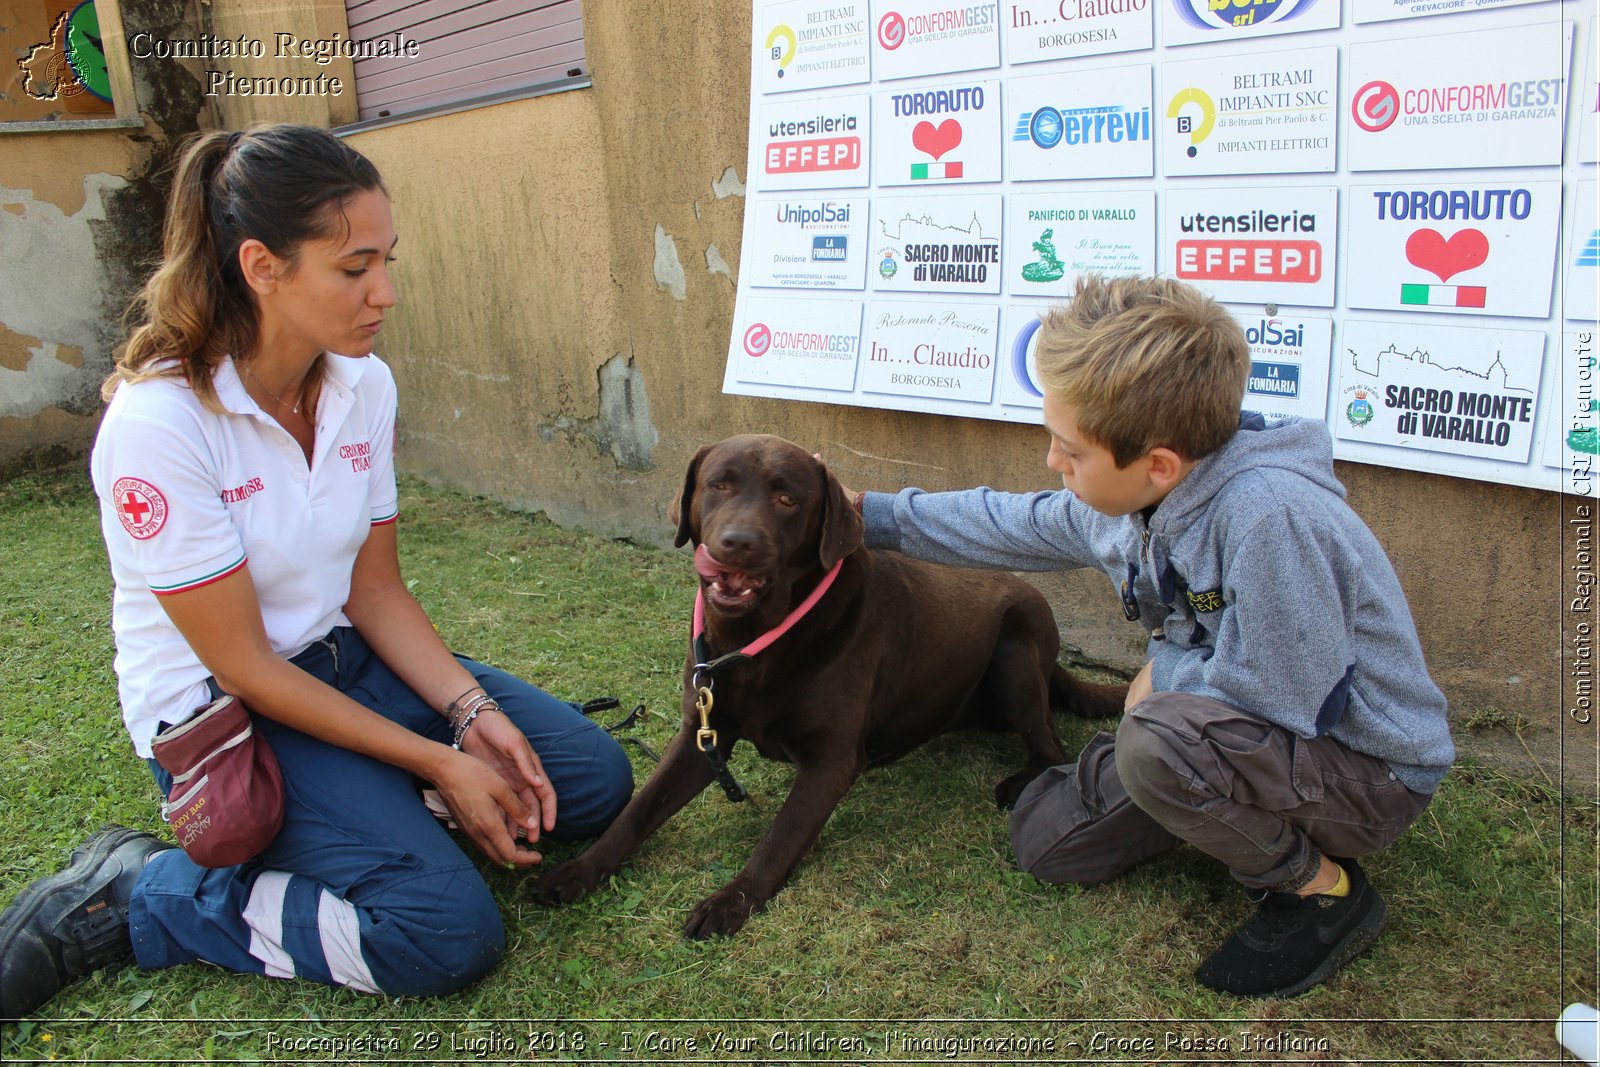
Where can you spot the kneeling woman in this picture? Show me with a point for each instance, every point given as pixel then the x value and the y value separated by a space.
pixel 247 497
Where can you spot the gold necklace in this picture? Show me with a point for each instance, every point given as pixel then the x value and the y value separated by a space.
pixel 293 410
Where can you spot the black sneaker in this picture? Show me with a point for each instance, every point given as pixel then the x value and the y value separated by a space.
pixel 70 924
pixel 1292 943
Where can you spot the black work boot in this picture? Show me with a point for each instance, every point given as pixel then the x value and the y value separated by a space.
pixel 1292 943
pixel 72 923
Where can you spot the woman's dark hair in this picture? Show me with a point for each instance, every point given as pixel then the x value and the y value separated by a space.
pixel 281 185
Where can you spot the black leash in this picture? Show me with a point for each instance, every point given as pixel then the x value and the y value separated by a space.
pixel 705 739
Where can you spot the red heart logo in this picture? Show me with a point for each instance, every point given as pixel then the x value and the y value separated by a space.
pixel 1464 250
pixel 936 140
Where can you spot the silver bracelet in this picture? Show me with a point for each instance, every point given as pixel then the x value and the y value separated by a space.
pixel 487 703
pixel 454 711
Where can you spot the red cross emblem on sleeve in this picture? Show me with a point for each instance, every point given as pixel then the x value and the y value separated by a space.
pixel 141 508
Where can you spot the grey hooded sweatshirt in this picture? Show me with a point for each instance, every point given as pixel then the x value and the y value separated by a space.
pixel 1259 585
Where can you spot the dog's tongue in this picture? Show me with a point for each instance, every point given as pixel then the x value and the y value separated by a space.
pixel 705 566
pixel 727 580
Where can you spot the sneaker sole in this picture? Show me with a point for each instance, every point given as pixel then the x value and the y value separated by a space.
pixel 86 858
pixel 1357 941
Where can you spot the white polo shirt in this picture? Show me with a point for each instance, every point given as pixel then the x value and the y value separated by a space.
pixel 189 496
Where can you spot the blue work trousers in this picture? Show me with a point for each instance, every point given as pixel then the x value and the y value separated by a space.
pixel 364 887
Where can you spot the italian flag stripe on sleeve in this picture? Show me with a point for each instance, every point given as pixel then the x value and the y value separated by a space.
pixel 214 576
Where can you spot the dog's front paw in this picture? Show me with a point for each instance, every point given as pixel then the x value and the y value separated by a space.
pixel 1007 792
pixel 567 884
pixel 722 913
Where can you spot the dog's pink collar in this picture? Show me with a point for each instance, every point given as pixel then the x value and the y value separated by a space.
pixel 777 631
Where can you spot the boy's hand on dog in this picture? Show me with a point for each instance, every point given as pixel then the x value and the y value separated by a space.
pixel 1140 688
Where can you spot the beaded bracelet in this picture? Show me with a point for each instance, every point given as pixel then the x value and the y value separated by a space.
pixel 467 720
pixel 453 710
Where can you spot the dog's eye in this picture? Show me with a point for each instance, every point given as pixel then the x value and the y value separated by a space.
pixel 718 485
pixel 786 500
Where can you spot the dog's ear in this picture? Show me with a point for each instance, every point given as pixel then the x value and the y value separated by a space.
pixel 843 531
pixel 681 513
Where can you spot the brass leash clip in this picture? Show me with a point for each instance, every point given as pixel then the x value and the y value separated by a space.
pixel 705 738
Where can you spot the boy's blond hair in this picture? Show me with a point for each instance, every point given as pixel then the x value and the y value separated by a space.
pixel 1145 363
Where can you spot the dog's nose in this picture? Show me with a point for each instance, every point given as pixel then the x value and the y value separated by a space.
pixel 735 542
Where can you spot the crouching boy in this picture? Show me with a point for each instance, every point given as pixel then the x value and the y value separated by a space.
pixel 1284 723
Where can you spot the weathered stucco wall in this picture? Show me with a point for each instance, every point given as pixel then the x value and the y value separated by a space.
pixel 567 269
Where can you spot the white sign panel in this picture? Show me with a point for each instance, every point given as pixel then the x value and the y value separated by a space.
pixel 1019 385
pixel 939 136
pixel 1263 113
pixel 1225 21
pixel 1388 10
pixel 1253 245
pixel 1037 30
pixel 811 344
pixel 1465 392
pixel 1288 363
pixel 1588 106
pixel 916 38
pixel 812 143
pixel 1583 256
pixel 1572 440
pixel 930 350
pixel 1066 234
pixel 1491 98
pixel 945 244
pixel 1455 248
pixel 812 44
pixel 1093 124
pixel 807 243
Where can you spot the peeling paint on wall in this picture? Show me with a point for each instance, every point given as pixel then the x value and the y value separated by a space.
pixel 623 429
pixel 715 264
pixel 53 288
pixel 668 268
pixel 728 185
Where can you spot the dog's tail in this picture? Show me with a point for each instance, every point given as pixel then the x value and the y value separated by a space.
pixel 1085 700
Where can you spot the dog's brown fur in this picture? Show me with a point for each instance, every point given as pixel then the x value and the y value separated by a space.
pixel 895 653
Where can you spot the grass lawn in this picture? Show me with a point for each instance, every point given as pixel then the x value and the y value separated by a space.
pixel 906 935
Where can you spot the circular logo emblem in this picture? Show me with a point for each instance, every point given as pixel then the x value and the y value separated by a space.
pixel 892 30
pixel 1045 127
pixel 757 340
pixel 888 266
pixel 1022 358
pixel 1375 106
pixel 141 508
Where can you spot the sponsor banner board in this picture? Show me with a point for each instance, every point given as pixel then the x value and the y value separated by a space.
pixel 1091 124
pixel 1389 10
pixel 1572 430
pixel 1055 237
pixel 813 44
pixel 1288 363
pixel 919 38
pixel 1227 21
pixel 812 143
pixel 1037 30
pixel 1263 113
pixel 939 135
pixel 1450 389
pixel 811 344
pixel 929 245
pixel 1488 98
pixel 807 243
pixel 1582 302
pixel 940 351
pixel 1253 245
pixel 1453 248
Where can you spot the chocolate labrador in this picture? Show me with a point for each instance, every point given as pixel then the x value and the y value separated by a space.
pixel 887 653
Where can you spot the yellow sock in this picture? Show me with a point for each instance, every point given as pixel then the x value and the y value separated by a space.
pixel 1341 888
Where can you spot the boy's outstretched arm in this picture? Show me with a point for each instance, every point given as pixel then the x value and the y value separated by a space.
pixel 984 528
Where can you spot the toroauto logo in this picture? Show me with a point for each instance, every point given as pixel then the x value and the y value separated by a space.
pixel 1375 106
pixel 892 30
pixel 1231 14
pixel 757 340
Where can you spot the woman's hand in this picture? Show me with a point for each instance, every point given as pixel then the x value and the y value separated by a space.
pixel 495 740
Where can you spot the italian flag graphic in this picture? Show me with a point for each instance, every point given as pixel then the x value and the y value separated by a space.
pixel 1453 296
pixel 923 171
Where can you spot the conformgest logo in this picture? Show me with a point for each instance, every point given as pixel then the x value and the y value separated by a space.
pixel 1375 106
pixel 1228 14
pixel 1048 127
